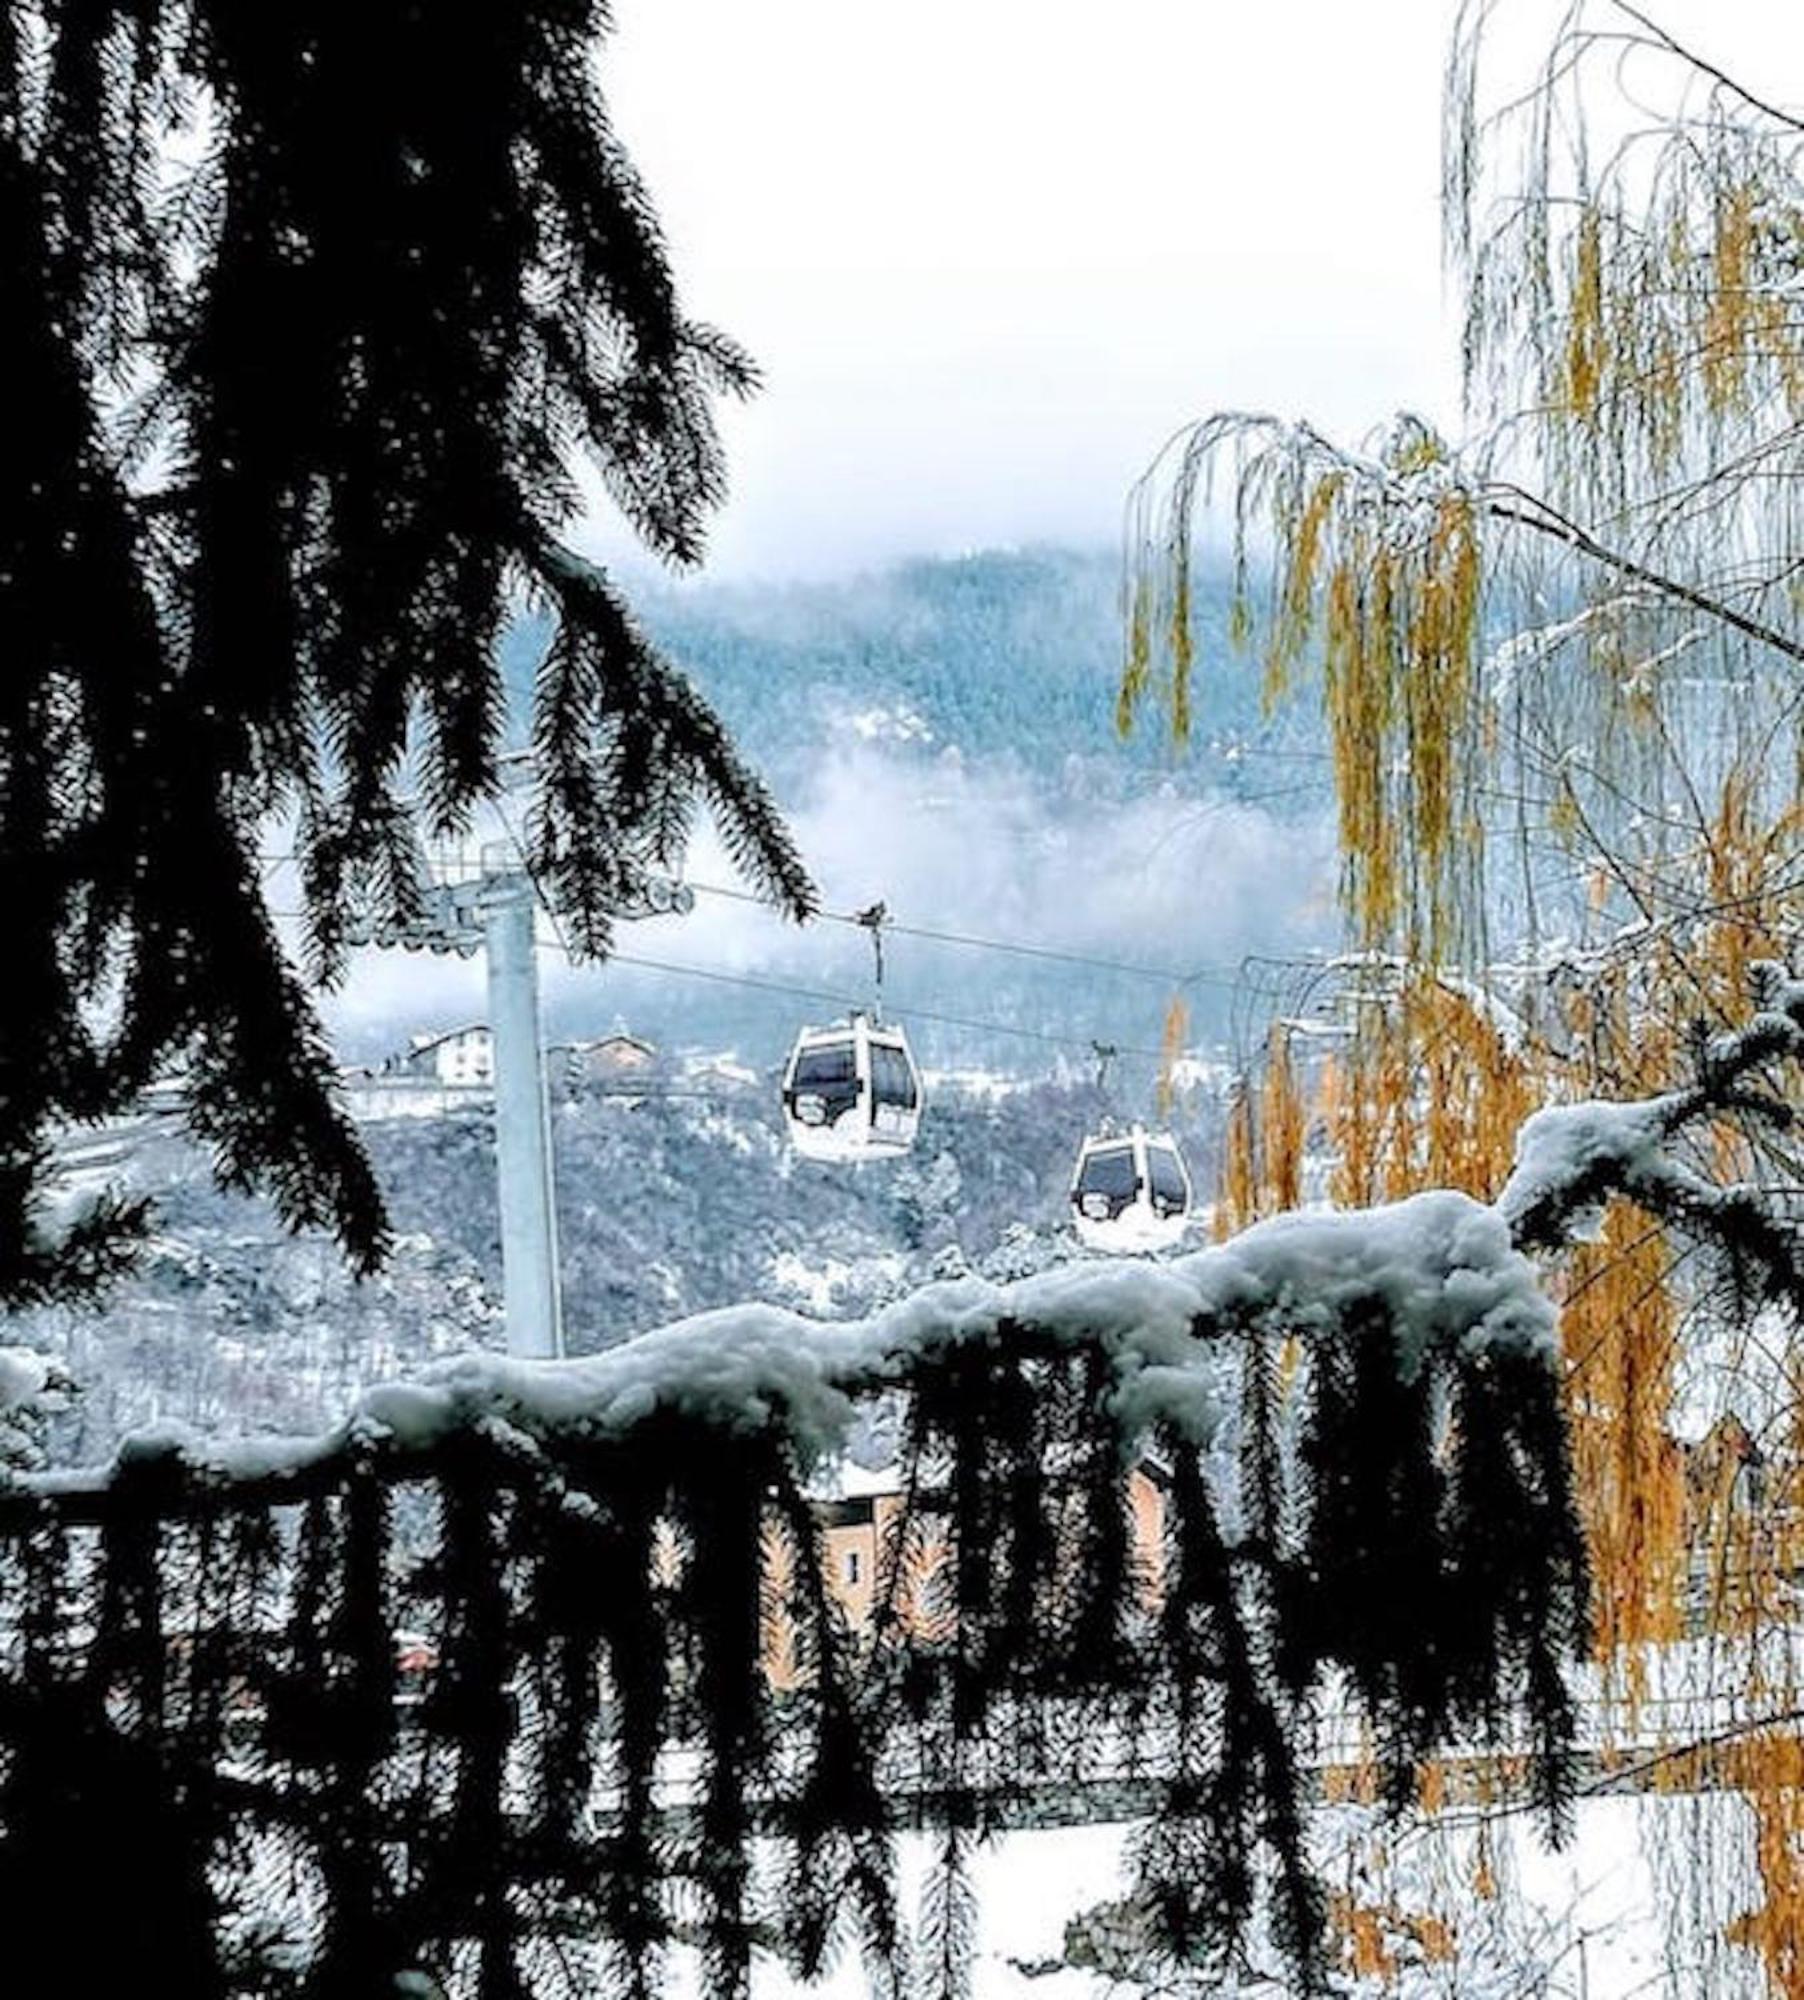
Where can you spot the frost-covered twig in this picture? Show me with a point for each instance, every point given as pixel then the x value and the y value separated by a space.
pixel 34 1388
pixel 1573 1158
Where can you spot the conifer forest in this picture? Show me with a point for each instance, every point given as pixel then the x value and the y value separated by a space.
pixel 904 1087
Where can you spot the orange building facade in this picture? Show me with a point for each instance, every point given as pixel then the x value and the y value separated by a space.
pixel 862 1533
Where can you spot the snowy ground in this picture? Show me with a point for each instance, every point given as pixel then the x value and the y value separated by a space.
pixel 1600 1898
pixel 1028 1885
pixel 1582 1924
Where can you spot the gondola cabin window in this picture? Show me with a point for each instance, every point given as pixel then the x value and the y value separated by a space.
pixel 1108 1182
pixel 1130 1192
pixel 851 1091
pixel 1170 1184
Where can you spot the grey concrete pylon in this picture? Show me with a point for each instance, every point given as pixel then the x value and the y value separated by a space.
pixel 529 1255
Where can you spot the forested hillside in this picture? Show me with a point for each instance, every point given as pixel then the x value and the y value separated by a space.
pixel 1005 653
pixel 942 737
pixel 671 1201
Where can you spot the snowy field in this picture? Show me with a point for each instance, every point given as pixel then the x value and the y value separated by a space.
pixel 1581 1924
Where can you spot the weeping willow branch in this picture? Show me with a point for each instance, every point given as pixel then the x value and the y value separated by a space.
pixel 1524 510
pixel 1634 389
pixel 1575 637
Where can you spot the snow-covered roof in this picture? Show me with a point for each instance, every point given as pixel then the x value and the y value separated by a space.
pixel 419 1045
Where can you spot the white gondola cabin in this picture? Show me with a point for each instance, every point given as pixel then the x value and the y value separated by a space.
pixel 1130 1191
pixel 852 1092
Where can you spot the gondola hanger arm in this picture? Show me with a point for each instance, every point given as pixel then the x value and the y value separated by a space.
pixel 873 918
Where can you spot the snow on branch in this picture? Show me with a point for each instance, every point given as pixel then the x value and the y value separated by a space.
pixel 433 1666
pixel 1346 1436
pixel 1437 1272
pixel 34 1388
pixel 1573 1158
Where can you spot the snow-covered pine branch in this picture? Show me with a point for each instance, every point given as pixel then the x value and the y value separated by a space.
pixel 603 1559
pixel 1438 1271
pixel 34 1388
pixel 1573 1158
pixel 1354 1426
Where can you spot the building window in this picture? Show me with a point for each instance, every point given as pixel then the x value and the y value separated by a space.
pixel 852 1566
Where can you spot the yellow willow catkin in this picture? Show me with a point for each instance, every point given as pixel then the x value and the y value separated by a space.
pixel 1476 1089
pixel 1283 1122
pixel 1439 711
pixel 1360 679
pixel 1430 1095
pixel 1137 670
pixel 1237 1198
pixel 1301 550
pixel 1584 356
pixel 1729 319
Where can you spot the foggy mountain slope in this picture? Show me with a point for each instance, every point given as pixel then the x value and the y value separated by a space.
pixel 1009 654
pixel 670 1203
pixel 941 737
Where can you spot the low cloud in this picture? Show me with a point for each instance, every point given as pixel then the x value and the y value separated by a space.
pixel 1169 880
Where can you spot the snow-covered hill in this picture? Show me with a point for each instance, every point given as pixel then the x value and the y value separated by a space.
pixel 675 1193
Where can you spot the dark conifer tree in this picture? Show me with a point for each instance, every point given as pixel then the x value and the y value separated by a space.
pixel 310 308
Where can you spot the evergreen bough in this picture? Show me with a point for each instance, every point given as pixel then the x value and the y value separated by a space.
pixel 200 1696
pixel 311 309
pixel 644 1719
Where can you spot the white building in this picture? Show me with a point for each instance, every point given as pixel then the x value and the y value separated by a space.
pixel 461 1056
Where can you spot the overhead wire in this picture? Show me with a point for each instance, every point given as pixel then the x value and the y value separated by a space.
pixel 795 992
pixel 863 921
pixel 1229 978
pixel 791 990
pixel 1203 975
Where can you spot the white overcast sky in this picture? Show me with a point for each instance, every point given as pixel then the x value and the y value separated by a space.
pixel 990 253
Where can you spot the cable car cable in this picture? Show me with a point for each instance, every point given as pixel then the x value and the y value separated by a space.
pixel 1076 1041
pixel 1204 974
pixel 849 1001
pixel 1219 975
